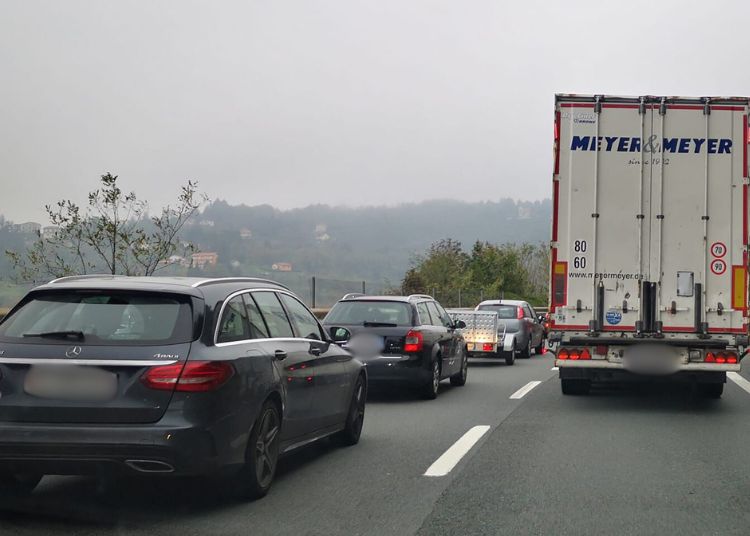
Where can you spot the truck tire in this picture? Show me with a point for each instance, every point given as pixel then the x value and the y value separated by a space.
pixel 711 390
pixel 575 387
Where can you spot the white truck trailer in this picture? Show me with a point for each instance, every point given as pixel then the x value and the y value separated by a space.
pixel 649 239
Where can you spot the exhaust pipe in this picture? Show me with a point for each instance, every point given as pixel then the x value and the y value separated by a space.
pixel 149 466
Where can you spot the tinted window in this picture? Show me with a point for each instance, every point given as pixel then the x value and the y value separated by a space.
pixel 446 319
pixel 234 325
pixel 273 314
pixel 503 311
pixel 436 321
pixel 528 313
pixel 303 320
pixel 360 311
pixel 257 324
pixel 107 318
pixel 424 316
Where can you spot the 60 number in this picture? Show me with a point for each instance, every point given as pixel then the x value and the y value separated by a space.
pixel 579 262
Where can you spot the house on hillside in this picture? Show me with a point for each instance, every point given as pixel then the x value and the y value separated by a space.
pixel 28 228
pixel 203 260
pixel 282 267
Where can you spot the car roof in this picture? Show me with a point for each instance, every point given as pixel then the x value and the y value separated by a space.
pixel 181 285
pixel 402 299
pixel 504 302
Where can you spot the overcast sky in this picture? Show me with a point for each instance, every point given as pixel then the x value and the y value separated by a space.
pixel 345 102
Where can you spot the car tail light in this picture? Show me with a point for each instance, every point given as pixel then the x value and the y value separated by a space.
pixel 585 354
pixel 487 347
pixel 414 341
pixel 519 313
pixel 563 354
pixel 193 377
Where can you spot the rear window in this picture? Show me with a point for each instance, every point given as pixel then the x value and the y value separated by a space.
pixel 503 311
pixel 359 312
pixel 103 318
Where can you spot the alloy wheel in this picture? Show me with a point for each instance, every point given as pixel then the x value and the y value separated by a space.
pixel 266 447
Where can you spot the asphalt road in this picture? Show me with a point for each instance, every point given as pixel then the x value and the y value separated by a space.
pixel 624 461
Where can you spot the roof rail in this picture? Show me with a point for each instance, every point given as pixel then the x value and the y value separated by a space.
pixel 351 295
pixel 414 296
pixel 205 282
pixel 77 277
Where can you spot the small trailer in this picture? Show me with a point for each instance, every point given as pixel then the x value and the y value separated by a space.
pixel 480 332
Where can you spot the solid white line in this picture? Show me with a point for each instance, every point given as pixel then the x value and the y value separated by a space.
pixel 525 389
pixel 555 368
pixel 450 458
pixel 739 380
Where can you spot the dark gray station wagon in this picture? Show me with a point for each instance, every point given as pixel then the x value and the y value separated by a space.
pixel 168 375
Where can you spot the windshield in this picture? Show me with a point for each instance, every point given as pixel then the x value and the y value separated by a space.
pixel 503 311
pixel 380 312
pixel 105 318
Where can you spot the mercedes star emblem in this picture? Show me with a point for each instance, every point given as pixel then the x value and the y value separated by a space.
pixel 73 351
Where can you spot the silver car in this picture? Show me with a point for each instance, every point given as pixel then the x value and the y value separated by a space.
pixel 519 329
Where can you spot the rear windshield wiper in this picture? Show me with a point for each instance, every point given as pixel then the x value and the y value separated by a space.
pixel 368 324
pixel 57 334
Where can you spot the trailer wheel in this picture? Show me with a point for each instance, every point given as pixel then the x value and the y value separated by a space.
pixel 575 387
pixel 510 357
pixel 711 390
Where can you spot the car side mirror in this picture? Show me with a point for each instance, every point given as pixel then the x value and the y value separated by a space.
pixel 340 335
pixel 460 324
pixel 541 318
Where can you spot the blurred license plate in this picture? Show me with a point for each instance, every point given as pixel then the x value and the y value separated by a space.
pixel 70 382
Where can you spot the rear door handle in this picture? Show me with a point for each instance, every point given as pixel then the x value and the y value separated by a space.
pixel 280 355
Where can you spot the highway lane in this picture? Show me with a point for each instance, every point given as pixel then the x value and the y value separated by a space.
pixel 632 460
pixel 377 487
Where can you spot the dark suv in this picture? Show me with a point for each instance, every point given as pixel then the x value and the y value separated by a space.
pixel 406 339
pixel 170 376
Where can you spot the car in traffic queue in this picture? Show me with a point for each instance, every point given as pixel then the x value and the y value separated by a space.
pixel 520 330
pixel 405 340
pixel 168 376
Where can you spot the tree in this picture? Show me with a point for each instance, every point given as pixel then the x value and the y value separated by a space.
pixel 112 233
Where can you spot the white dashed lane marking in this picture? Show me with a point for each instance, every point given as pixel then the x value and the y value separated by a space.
pixel 450 458
pixel 524 390
pixel 739 380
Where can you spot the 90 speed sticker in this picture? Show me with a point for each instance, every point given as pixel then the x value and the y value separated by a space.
pixel 718 266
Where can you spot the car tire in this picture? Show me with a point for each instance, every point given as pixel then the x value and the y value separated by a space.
pixel 711 390
pixel 510 357
pixel 539 350
pixel 355 417
pixel 430 389
pixel 261 458
pixel 575 387
pixel 526 352
pixel 13 485
pixel 459 379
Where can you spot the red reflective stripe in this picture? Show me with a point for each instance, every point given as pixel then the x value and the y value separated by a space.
pixel 746 139
pixel 557 143
pixel 555 208
pixel 626 106
pixel 576 105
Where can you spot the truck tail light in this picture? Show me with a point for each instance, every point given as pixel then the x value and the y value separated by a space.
pixel 585 354
pixel 487 347
pixel 193 377
pixel 414 341
pixel 601 349
pixel 721 358
pixel 563 354
pixel 575 354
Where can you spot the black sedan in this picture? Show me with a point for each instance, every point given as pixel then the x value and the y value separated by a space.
pixel 184 376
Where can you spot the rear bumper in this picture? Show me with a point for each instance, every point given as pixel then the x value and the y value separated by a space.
pixel 87 449
pixel 608 365
pixel 397 369
pixel 615 372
